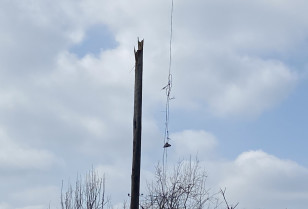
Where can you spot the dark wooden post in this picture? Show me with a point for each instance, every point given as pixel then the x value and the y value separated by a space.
pixel 135 181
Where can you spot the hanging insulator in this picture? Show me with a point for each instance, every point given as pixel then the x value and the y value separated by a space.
pixel 167 145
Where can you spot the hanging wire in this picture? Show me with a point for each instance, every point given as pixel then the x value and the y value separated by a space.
pixel 168 89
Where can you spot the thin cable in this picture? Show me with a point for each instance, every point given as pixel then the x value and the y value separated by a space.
pixel 168 89
pixel 171 34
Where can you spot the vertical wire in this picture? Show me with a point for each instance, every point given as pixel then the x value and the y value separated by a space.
pixel 168 88
pixel 171 34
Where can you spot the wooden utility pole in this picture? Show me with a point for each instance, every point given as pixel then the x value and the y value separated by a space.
pixel 135 181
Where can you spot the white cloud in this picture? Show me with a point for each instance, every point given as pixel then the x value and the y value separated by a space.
pixel 116 174
pixel 81 109
pixel 231 84
pixel 228 82
pixel 33 207
pixel 254 26
pixel 260 180
pixel 15 156
pixel 4 205
pixel 10 98
pixel 230 55
pixel 256 86
pixel 193 142
pixel 37 197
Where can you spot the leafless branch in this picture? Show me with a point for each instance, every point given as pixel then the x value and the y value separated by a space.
pixel 184 188
pixel 223 192
pixel 87 194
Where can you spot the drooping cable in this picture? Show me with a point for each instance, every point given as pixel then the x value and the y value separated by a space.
pixel 168 89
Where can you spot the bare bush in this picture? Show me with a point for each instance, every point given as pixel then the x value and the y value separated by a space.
pixel 86 194
pixel 184 188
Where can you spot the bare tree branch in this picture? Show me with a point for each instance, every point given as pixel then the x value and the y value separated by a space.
pixel 223 192
pixel 184 188
pixel 87 194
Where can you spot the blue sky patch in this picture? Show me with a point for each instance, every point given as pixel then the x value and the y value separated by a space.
pixel 97 39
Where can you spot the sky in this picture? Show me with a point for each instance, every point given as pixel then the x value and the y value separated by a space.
pixel 240 75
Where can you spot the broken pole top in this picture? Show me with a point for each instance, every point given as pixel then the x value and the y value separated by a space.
pixel 136 162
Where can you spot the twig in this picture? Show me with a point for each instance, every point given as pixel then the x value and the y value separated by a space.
pixel 223 194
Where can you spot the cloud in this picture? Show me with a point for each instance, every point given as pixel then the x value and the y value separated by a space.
pixel 15 156
pixel 236 55
pixel 33 207
pixel 218 61
pixel 251 87
pixel 55 105
pixel 256 179
pixel 116 174
pixel 255 27
pixel 4 205
pixel 97 38
pixel 10 98
pixel 193 142
pixel 37 197
pixel 229 83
